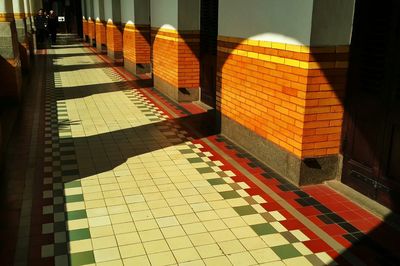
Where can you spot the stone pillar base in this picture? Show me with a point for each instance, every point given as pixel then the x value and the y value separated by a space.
pixel 101 48
pixel 116 56
pixel 175 93
pixel 136 68
pixel 299 171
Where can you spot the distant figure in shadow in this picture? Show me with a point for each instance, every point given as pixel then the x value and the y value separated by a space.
pixel 40 25
pixel 52 25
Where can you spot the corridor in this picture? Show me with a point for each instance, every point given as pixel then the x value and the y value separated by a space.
pixel 130 178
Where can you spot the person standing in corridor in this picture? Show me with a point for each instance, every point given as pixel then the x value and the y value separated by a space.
pixel 52 25
pixel 40 25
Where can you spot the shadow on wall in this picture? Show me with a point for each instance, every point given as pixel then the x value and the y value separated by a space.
pixel 269 88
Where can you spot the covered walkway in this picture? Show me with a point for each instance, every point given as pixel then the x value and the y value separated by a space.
pixel 106 171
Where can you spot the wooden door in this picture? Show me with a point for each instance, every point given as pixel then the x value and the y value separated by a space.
pixel 371 145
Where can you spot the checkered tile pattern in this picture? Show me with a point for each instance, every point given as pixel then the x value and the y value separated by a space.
pixel 125 185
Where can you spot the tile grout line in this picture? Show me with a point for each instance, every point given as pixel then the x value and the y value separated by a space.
pixel 21 252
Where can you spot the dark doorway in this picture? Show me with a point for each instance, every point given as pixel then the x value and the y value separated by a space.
pixel 208 50
pixel 371 144
pixel 71 10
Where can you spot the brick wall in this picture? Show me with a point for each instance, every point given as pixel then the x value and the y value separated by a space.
pixel 91 29
pixel 114 37
pixel 290 95
pixel 101 36
pixel 136 43
pixel 175 57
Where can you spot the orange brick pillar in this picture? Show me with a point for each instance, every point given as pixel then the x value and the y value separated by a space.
pixel 91 31
pixel 175 50
pixel 136 43
pixel 85 29
pixel 101 36
pixel 283 101
pixel 114 41
pixel 175 63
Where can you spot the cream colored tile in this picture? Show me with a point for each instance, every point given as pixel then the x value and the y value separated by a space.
pixel 95 212
pixel 265 255
pixel 150 235
pixel 127 238
pixel 146 224
pixel 243 232
pixel 162 258
pixel 95 203
pixel 209 251
pixel 111 263
pixel 253 243
pixel 132 250
pixel 156 246
pixel 104 242
pixel 243 258
pixel 140 260
pixel 179 242
pixel 186 254
pixel 273 240
pixel 194 228
pixel 99 221
pixel 120 218
pixel 106 254
pixel 220 261
pixel 233 222
pixel 187 218
pixel 118 209
pixel 141 215
pixel 232 246
pixel 167 221
pixel 173 231
pixel 101 231
pixel 215 225
pixel 223 235
pixel 80 246
pixel 77 224
pixel 162 212
pixel 124 228
pixel 202 239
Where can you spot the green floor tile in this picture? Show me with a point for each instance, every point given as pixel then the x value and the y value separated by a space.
pixel 216 181
pixel 230 195
pixel 82 258
pixel 79 234
pixel 245 210
pixel 186 151
pixel 74 215
pixel 195 160
pixel 263 229
pixel 205 170
pixel 286 251
pixel 73 183
pixel 74 198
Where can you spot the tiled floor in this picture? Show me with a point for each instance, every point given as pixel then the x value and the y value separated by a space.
pixel 126 181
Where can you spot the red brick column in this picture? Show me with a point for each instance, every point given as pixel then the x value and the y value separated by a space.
pixel 136 48
pixel 85 28
pixel 290 95
pixel 101 36
pixel 114 41
pixel 176 63
pixel 91 31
